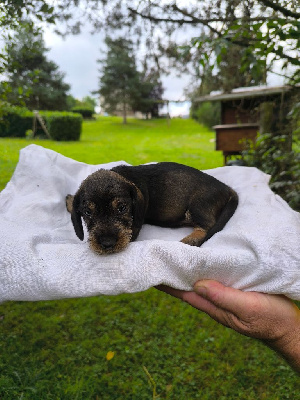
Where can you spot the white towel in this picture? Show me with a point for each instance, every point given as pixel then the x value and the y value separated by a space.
pixel 41 257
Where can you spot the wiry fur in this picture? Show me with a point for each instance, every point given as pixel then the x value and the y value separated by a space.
pixel 114 204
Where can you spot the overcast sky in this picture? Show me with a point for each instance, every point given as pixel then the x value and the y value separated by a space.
pixel 77 57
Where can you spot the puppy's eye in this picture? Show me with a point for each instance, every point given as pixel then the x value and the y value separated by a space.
pixel 121 208
pixel 87 212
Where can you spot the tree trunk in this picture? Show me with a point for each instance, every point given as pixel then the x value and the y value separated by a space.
pixel 124 113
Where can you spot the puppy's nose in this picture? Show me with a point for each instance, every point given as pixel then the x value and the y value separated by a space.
pixel 107 242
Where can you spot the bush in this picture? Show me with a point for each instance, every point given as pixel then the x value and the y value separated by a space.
pixel 269 154
pixel 15 122
pixel 208 114
pixel 63 125
pixel 86 112
pixel 278 154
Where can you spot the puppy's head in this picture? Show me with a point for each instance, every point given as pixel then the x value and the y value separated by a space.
pixel 112 209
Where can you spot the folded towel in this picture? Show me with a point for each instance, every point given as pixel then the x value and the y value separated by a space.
pixel 41 257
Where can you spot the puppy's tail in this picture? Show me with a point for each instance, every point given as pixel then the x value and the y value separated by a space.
pixel 226 213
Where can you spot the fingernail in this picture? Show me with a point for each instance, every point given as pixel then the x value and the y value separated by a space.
pixel 200 289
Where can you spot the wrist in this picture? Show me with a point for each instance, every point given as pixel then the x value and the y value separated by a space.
pixel 288 347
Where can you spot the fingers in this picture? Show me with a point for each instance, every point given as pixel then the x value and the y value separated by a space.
pixel 253 314
pixel 225 305
pixel 192 298
pixel 226 298
pixel 169 290
pixel 209 295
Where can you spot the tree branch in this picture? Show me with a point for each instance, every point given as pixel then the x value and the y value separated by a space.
pixel 194 20
pixel 292 60
pixel 156 19
pixel 197 20
pixel 282 75
pixel 281 9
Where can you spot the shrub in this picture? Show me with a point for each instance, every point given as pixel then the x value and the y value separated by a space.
pixel 278 155
pixel 86 112
pixel 63 125
pixel 208 114
pixel 269 155
pixel 15 122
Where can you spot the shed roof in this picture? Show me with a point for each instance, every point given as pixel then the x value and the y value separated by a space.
pixel 244 92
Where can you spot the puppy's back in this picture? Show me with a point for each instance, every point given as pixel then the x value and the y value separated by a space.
pixel 172 190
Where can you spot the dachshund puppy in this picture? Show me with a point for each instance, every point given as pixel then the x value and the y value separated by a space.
pixel 114 204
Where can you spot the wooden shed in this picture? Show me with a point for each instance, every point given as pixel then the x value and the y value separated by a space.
pixel 244 113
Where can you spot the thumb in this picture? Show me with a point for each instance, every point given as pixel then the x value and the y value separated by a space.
pixel 223 297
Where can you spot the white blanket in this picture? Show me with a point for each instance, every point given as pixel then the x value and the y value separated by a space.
pixel 41 257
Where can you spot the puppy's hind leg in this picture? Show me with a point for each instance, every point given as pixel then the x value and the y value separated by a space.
pixel 196 238
pixel 201 217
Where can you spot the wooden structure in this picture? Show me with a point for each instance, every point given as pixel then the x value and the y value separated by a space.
pixel 231 138
pixel 243 115
pixel 37 118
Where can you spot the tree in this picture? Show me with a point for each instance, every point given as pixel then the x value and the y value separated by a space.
pixel 30 76
pixel 122 86
pixel 87 101
pixel 264 31
pixel 149 99
pixel 11 12
pixel 120 78
pixel 156 92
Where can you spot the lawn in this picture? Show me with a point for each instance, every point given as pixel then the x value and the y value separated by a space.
pixel 139 346
pixel 107 139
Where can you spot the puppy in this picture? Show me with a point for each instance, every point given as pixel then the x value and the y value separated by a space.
pixel 114 204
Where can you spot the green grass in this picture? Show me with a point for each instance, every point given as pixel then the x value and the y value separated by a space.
pixel 106 139
pixel 57 349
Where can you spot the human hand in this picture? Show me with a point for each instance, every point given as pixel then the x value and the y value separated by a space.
pixel 274 319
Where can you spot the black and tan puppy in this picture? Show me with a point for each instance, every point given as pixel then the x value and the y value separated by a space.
pixel 114 204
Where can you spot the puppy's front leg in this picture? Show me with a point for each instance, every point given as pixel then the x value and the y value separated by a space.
pixel 196 238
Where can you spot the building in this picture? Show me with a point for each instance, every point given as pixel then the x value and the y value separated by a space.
pixel 247 111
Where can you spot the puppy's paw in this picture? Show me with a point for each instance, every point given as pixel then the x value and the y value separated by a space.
pixel 196 238
pixel 69 202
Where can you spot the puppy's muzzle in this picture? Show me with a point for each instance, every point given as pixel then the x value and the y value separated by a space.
pixel 108 242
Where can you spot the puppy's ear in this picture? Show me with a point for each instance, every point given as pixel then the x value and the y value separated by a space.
pixel 76 217
pixel 138 210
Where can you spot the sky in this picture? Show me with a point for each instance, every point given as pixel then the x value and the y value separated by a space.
pixel 77 55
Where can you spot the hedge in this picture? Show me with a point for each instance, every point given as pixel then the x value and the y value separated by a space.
pixel 86 112
pixel 16 122
pixel 63 125
pixel 60 125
